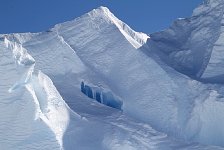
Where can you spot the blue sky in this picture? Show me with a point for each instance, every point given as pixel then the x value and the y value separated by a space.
pixel 142 15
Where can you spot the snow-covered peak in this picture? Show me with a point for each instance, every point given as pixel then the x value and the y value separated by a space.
pixel 101 17
pixel 137 39
pixel 102 9
pixel 94 59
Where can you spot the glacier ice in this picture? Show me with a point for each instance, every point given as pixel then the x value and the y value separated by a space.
pixel 102 96
pixel 56 82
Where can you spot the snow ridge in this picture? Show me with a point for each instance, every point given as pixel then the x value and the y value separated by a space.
pixel 103 15
pixel 137 39
pixel 189 44
pixel 49 105
pixel 23 61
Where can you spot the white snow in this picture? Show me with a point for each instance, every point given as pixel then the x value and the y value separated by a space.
pixel 33 107
pixel 43 105
pixel 193 45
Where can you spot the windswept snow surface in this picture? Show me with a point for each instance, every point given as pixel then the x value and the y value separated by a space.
pixel 34 115
pixel 194 46
pixel 45 105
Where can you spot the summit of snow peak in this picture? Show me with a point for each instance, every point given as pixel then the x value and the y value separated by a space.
pixel 103 17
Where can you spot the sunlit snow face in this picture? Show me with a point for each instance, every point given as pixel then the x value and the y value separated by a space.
pixel 144 86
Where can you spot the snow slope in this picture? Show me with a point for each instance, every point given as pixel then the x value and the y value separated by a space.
pixel 36 117
pixel 193 45
pixel 97 57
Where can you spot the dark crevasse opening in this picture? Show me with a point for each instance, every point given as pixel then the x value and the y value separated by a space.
pixel 101 96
